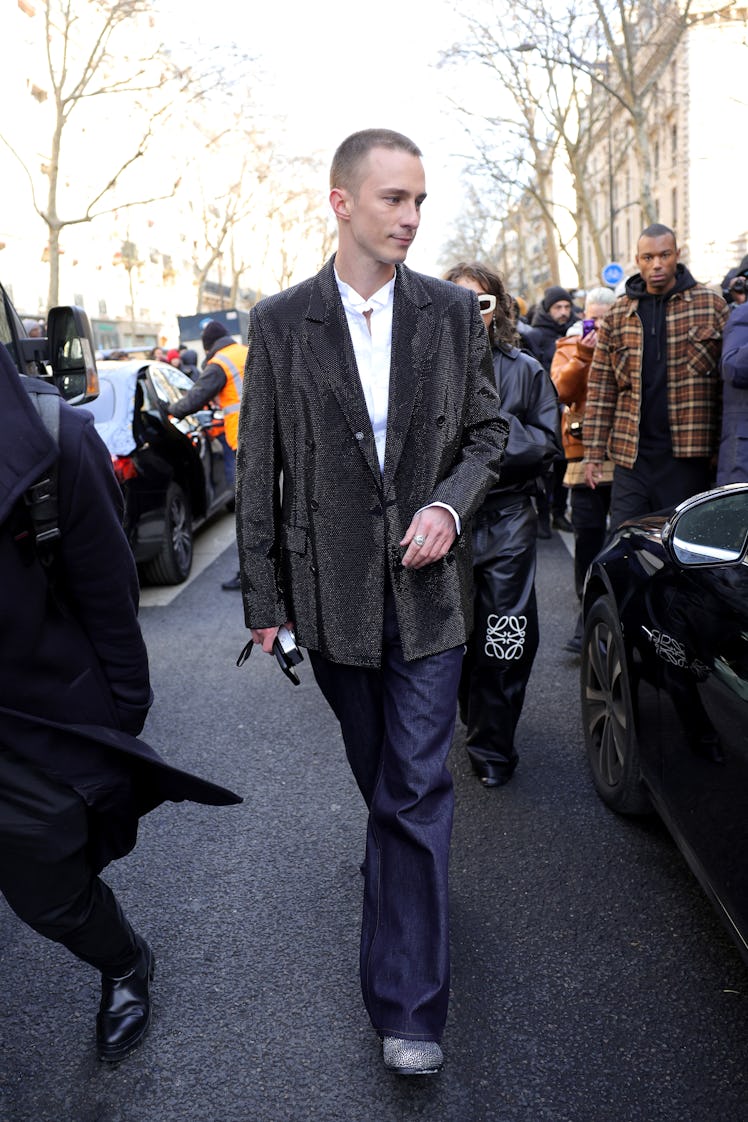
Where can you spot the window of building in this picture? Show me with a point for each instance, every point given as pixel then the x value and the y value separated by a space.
pixel 674 143
pixel 674 205
pixel 102 307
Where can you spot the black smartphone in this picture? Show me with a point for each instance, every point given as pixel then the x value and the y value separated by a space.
pixel 587 326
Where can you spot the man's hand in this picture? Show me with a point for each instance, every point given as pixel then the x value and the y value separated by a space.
pixel 429 537
pixel 593 473
pixel 265 636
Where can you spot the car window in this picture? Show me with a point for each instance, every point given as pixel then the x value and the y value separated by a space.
pixel 102 407
pixel 715 529
pixel 180 380
pixel 164 384
pixel 6 334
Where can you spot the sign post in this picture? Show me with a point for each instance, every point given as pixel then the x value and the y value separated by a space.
pixel 612 274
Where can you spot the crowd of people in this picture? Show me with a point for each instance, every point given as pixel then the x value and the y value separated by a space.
pixel 399 443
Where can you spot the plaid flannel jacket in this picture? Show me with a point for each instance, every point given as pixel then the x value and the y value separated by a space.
pixel 695 319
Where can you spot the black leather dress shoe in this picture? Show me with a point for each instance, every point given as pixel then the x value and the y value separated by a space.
pixel 125 1010
pixel 561 522
pixel 233 585
pixel 491 776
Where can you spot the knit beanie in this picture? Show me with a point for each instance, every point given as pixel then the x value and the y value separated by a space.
pixel 212 332
pixel 553 295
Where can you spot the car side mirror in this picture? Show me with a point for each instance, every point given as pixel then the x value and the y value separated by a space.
pixel 71 354
pixel 710 529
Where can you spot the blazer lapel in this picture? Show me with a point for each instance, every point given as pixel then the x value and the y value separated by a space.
pixel 412 328
pixel 329 350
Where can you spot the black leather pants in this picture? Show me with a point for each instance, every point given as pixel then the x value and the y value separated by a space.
pixel 45 872
pixel 505 635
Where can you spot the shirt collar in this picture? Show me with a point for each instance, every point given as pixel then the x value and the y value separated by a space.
pixel 351 299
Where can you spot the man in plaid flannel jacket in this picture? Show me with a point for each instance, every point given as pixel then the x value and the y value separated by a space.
pixel 653 391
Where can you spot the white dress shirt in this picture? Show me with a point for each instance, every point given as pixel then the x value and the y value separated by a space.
pixel 371 335
pixel 372 345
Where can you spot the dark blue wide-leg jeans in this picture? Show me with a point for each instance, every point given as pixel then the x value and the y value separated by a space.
pixel 397 725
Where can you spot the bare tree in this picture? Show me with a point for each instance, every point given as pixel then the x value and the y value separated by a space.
pixel 517 148
pixel 474 234
pixel 221 217
pixel 579 78
pixel 91 75
pixel 632 46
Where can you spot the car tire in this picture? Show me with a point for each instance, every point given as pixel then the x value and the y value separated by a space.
pixel 608 714
pixel 173 562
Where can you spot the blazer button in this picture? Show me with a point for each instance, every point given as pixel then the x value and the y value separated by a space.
pixel 359 435
pixel 314 504
pixel 441 420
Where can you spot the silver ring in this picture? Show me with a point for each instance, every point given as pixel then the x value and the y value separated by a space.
pixel 419 539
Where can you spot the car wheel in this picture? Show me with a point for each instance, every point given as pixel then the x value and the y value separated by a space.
pixel 608 715
pixel 173 562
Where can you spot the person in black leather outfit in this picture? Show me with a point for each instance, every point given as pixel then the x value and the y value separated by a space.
pixel 504 641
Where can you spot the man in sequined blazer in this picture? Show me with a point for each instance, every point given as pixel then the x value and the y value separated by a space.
pixel 369 433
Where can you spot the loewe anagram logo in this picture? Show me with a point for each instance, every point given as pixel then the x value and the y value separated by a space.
pixel 505 636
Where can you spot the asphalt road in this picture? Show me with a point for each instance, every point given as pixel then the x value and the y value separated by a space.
pixel 591 981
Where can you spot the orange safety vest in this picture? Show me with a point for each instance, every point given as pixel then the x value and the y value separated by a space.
pixel 232 361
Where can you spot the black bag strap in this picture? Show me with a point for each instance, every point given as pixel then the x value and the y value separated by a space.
pixel 41 497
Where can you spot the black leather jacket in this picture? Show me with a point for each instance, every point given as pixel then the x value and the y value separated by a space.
pixel 530 403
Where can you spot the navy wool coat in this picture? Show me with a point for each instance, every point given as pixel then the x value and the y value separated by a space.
pixel 318 524
pixel 74 685
pixel 733 449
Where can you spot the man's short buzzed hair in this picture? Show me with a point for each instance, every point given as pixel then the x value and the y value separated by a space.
pixel 657 230
pixel 345 170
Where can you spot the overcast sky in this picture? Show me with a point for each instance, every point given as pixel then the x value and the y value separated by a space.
pixel 331 68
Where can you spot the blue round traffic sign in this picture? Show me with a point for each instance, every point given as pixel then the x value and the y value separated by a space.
pixel 613 273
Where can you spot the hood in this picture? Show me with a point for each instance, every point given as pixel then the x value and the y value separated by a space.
pixel 189 357
pixel 636 289
pixel 224 341
pixel 545 322
pixel 26 449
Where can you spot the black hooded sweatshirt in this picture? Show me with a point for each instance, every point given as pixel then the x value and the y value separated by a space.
pixel 654 425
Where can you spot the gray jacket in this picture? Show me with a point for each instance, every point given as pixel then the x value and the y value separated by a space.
pixel 318 550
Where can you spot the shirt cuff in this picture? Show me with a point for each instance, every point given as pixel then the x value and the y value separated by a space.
pixel 452 511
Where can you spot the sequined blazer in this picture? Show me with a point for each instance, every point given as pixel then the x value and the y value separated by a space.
pixel 318 524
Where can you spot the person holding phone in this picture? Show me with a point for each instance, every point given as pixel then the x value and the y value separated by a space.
pixel 589 507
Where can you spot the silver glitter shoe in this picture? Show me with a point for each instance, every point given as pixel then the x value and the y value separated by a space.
pixel 412 1057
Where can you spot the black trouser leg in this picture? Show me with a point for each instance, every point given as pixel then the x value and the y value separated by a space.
pixel 505 636
pixel 45 872
pixel 655 482
pixel 589 513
